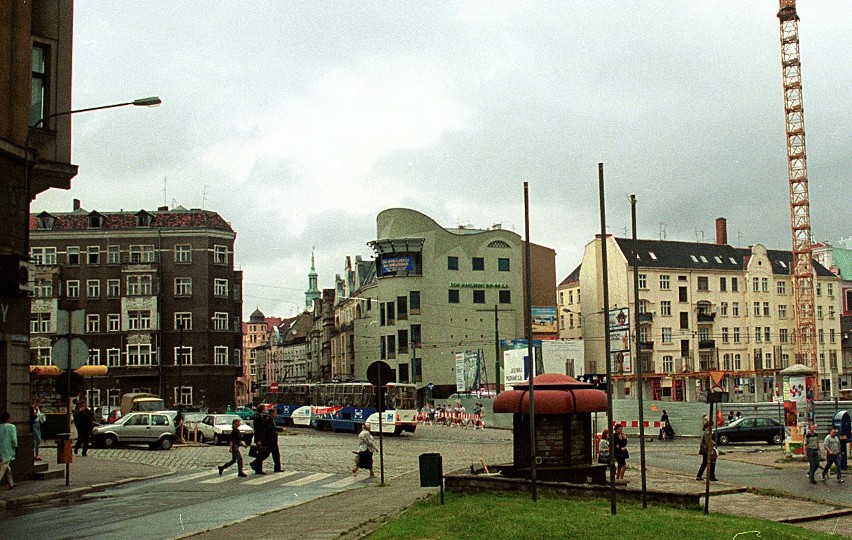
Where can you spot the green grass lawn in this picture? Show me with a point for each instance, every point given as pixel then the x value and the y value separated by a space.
pixel 495 516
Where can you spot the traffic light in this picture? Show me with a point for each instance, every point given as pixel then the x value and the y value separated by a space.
pixel 14 275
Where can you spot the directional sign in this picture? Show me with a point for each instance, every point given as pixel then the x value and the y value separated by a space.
pixel 79 353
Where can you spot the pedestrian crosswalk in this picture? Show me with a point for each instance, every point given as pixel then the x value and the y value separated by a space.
pixel 282 479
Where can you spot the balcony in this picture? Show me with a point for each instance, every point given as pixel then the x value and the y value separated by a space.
pixel 707 344
pixel 706 317
pixel 646 317
pixel 646 345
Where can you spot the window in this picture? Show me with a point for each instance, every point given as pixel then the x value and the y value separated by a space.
pixel 830 289
pixel 416 339
pixel 40 323
pixel 72 288
pixel 819 312
pixel 139 355
pixel 93 255
pixel 735 309
pixel 183 395
pixel 832 337
pixel 478 264
pixel 783 335
pixel 781 287
pixel 723 309
pixel 43 256
pixel 113 322
pixel 113 255
pixel 402 340
pixel 220 254
pixel 764 284
pixel 220 355
pixel 684 320
pixel 643 306
pixel 39 83
pixel 643 281
pixel 505 296
pixel 141 254
pixel 220 287
pixel 665 308
pixel 183 253
pixel 183 286
pixel 756 309
pixel 138 285
pixel 725 336
pixel 667 334
pixel 726 362
pixel 682 295
pixel 819 289
pixel 220 321
pixel 478 297
pixel 73 254
pixel 664 282
pixel 830 312
pixel 453 296
pixel 452 263
pixel 113 357
pixel 821 336
pixel 734 284
pixel 414 302
pixel 93 288
pixel 737 362
pixel 183 320
pixel 113 288
pixel 668 363
pixel 766 309
pixel 723 284
pixel 183 356
pixel 503 265
pixel 767 334
pixel 390 315
pixel 703 283
pixel 402 308
pixel 755 284
pixel 757 334
pixel 736 334
pixel 93 324
pixel 139 319
pixel 43 288
pixel 94 357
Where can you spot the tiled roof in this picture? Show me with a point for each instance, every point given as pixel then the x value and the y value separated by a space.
pixel 704 256
pixel 573 277
pixel 176 218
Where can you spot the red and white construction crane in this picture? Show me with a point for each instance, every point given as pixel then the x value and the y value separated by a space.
pixel 797 173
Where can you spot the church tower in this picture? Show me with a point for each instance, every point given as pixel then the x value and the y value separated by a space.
pixel 313 292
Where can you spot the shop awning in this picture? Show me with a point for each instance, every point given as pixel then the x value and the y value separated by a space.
pixel 53 371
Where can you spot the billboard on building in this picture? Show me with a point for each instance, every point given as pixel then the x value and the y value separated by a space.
pixel 563 356
pixel 543 320
pixel 467 370
pixel 516 366
pixel 392 265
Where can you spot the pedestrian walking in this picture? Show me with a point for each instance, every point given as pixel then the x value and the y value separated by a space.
pixel 271 441
pixel 366 447
pixel 84 421
pixel 831 444
pixel 37 418
pixel 8 448
pixel 812 447
pixel 260 452
pixel 603 447
pixel 708 454
pixel 236 442
pixel 620 451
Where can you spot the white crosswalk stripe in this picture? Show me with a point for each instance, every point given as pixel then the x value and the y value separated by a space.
pixel 349 480
pixel 309 479
pixel 183 478
pixel 220 479
pixel 271 477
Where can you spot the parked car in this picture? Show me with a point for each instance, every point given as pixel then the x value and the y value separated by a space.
pixel 751 429
pixel 156 429
pixel 245 413
pixel 216 428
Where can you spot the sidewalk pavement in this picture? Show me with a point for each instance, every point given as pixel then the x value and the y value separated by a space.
pixel 355 513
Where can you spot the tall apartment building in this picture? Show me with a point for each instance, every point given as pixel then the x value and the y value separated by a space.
pixel 434 294
pixel 705 307
pixel 257 335
pixel 35 82
pixel 161 297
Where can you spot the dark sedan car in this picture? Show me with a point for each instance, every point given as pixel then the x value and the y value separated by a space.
pixel 751 429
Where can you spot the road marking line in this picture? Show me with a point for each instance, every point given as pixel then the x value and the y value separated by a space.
pixel 184 478
pixel 344 482
pixel 309 479
pixel 220 479
pixel 271 477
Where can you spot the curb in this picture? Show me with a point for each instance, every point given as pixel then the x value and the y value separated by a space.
pixel 71 493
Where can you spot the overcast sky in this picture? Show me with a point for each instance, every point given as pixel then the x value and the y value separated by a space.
pixel 300 121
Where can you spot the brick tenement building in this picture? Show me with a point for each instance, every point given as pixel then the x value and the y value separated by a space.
pixel 161 297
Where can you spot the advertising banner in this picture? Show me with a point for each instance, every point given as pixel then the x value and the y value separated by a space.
pixel 467 370
pixel 397 264
pixel 516 366
pixel 544 320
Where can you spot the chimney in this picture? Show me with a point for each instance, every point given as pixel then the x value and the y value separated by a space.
pixel 721 231
pixel 76 204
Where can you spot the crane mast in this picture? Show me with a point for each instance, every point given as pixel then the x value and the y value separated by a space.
pixel 802 268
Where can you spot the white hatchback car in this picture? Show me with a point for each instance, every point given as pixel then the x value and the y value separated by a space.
pixel 217 428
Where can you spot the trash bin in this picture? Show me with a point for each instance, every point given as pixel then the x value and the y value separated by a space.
pixel 63 448
pixel 431 470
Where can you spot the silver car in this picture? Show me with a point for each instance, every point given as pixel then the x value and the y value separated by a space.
pixel 156 429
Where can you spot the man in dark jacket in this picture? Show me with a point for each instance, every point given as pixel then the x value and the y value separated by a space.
pixel 261 439
pixel 84 421
pixel 271 440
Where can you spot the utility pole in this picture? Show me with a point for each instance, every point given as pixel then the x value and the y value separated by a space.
pixel 496 310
